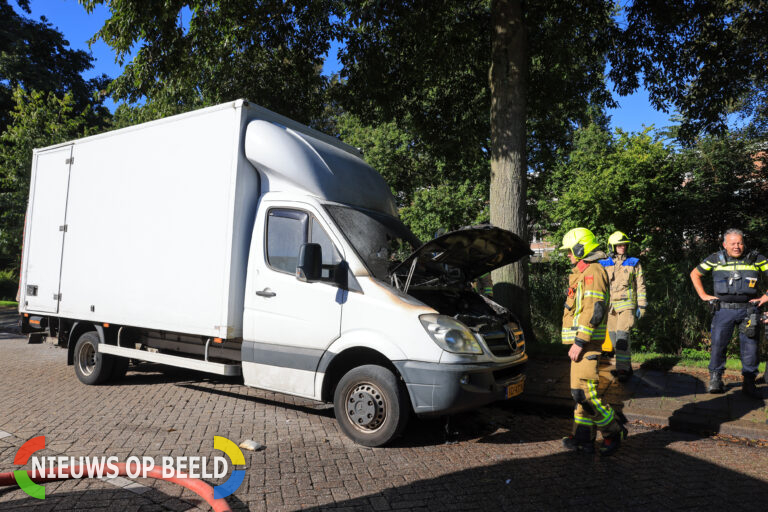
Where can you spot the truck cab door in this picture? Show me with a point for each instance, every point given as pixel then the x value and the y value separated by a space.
pixel 47 227
pixel 288 324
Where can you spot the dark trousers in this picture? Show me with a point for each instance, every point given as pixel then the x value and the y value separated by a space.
pixel 723 322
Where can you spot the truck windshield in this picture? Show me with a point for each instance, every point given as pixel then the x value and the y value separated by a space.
pixel 380 240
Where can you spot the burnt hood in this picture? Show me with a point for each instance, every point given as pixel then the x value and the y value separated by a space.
pixel 475 250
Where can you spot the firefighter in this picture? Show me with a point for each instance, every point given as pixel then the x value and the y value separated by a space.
pixel 735 301
pixel 628 301
pixel 584 319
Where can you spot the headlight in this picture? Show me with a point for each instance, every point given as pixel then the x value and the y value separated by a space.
pixel 450 334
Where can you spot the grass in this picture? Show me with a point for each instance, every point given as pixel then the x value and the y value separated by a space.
pixel 653 360
pixel 9 303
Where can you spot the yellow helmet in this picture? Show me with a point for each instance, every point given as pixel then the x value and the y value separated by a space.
pixel 618 238
pixel 580 241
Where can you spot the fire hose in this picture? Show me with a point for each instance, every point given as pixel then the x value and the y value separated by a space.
pixel 195 485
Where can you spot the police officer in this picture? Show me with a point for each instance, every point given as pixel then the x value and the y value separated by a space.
pixel 735 274
pixel 584 316
pixel 628 301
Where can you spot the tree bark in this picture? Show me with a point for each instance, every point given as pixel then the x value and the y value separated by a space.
pixel 507 82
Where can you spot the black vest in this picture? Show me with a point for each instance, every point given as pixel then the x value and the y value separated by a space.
pixel 735 280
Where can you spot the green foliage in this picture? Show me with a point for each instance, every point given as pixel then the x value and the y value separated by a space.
pixel 449 206
pixel 9 283
pixel 674 204
pixel 427 201
pixel 35 56
pixel 392 152
pixel 425 66
pixel 706 59
pixel 127 115
pixel 270 52
pixel 38 120
pixel 548 281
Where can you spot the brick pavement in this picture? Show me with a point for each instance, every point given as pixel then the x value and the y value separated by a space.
pixel 675 398
pixel 506 456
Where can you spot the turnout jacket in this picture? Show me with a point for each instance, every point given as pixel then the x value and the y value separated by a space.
pixel 586 304
pixel 735 279
pixel 627 282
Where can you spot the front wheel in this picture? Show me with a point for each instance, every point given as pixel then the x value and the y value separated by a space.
pixel 91 366
pixel 371 405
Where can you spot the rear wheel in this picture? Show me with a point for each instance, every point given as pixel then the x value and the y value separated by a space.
pixel 91 367
pixel 371 405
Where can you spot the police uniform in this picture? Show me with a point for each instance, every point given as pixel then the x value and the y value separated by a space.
pixel 627 286
pixel 584 323
pixel 735 284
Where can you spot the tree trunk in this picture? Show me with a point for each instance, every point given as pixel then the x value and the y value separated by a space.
pixel 507 81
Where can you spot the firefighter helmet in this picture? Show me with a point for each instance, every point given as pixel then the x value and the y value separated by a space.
pixel 580 241
pixel 618 238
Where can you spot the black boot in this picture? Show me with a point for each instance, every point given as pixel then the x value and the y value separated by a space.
pixel 748 387
pixel 582 440
pixel 716 383
pixel 625 375
pixel 612 442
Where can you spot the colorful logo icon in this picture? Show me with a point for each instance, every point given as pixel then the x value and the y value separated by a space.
pixel 37 491
pixel 236 456
pixel 22 477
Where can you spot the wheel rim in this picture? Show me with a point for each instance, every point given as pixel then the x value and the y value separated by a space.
pixel 86 359
pixel 366 407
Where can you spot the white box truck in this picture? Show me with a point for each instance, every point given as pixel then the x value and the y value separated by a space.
pixel 232 240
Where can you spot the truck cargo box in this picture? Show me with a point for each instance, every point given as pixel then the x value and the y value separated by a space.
pixel 150 226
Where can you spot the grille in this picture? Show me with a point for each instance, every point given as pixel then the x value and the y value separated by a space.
pixel 500 341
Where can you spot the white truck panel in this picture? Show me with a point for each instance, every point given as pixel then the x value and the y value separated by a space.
pixel 158 225
pixel 45 236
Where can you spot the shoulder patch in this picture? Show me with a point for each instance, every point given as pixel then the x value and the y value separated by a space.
pixel 589 279
pixel 631 262
pixel 607 262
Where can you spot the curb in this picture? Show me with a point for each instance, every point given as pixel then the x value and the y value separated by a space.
pixel 695 424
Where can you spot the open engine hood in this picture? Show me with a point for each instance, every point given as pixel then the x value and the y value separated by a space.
pixel 474 250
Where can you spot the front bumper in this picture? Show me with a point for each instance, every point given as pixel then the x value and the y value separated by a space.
pixel 439 389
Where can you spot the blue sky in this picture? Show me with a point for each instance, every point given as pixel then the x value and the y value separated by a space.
pixel 78 26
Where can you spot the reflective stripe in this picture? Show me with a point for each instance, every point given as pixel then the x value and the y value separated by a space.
pixel 592 293
pixel 605 421
pixel 706 265
pixel 581 420
pixel 586 330
pixel 568 334
pixel 727 267
pixel 605 413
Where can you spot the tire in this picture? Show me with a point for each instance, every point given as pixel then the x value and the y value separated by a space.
pixel 371 405
pixel 91 367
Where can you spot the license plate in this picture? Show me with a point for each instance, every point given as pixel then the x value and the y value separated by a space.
pixel 515 389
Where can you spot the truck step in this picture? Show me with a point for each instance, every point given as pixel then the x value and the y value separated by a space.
pixel 177 361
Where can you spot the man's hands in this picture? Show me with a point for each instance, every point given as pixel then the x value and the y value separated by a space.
pixel 760 301
pixel 575 353
pixel 640 312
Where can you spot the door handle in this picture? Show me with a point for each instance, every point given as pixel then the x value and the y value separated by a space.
pixel 266 292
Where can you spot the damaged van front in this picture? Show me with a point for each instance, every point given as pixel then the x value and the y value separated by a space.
pixel 450 347
pixel 483 358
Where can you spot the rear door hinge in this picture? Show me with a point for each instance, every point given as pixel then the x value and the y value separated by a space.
pixel 69 161
pixel 56 296
pixel 63 228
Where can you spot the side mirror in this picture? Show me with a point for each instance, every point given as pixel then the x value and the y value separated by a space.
pixel 310 266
